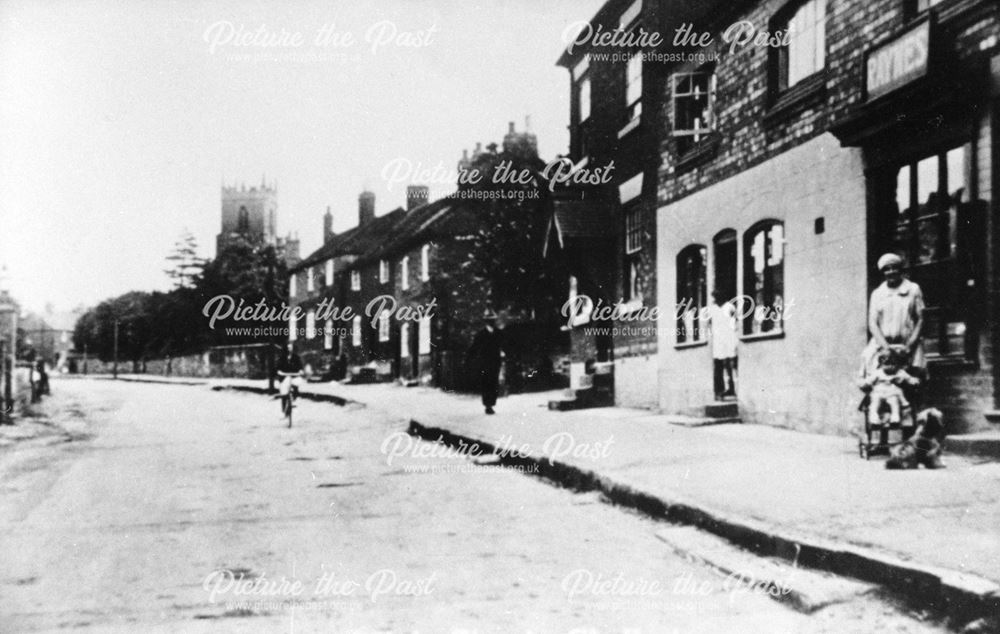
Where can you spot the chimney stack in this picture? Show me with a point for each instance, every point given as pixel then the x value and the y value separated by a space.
pixel 366 207
pixel 327 225
pixel 416 195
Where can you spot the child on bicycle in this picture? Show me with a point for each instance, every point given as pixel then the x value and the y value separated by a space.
pixel 290 371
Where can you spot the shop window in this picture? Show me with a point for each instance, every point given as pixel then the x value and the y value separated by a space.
pixel 355 280
pixel 292 328
pixel 693 107
pixel 764 278
pixel 692 293
pixel 805 53
pixel 940 235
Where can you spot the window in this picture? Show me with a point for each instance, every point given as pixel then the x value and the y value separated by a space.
pixel 425 262
pixel 633 87
pixel 629 194
pixel 243 220
pixel 630 15
pixel 292 290
pixel 633 229
pixel 383 326
pixel 694 107
pixel 310 280
pixel 763 277
pixel 310 324
pixel 328 335
pixel 583 90
pixel 923 5
pixel 292 328
pixel 424 344
pixel 355 280
pixel 404 272
pixel 356 331
pixel 329 272
pixel 940 236
pixel 383 271
pixel 692 293
pixel 404 340
pixel 805 52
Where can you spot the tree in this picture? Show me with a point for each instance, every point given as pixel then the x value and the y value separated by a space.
pixel 186 265
pixel 507 248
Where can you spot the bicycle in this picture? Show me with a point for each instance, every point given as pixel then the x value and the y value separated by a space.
pixel 288 397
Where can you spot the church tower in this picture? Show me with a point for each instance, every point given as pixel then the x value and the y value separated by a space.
pixel 249 213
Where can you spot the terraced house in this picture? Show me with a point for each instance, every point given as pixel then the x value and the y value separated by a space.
pixel 606 231
pixel 415 303
pixel 791 161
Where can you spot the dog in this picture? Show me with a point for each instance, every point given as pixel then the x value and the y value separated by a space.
pixel 923 447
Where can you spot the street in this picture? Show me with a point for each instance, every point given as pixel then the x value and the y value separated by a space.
pixel 145 507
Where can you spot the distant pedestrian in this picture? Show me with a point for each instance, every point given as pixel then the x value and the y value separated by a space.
pixel 722 325
pixel 487 353
pixel 43 378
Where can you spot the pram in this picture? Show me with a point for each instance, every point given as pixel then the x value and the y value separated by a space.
pixel 884 429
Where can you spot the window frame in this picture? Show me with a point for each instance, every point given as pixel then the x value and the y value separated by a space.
pixel 404 340
pixel 310 324
pixel 356 331
pixel 689 138
pixel 633 106
pixel 700 331
pixel 781 58
pixel 425 263
pixel 965 257
pixel 777 286
pixel 383 326
pixel 424 336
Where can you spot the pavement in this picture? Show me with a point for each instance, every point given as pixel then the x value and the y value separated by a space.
pixel 931 534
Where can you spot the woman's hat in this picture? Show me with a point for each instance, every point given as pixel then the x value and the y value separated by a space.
pixel 889 258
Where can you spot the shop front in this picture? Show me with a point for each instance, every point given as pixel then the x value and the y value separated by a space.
pixel 926 129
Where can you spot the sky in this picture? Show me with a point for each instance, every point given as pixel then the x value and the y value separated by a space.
pixel 120 120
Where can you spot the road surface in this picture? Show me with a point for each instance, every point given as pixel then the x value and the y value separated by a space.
pixel 142 507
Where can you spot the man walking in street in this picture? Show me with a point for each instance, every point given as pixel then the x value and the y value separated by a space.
pixel 487 352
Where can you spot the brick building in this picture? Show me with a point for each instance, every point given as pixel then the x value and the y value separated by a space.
pixel 788 168
pixel 606 230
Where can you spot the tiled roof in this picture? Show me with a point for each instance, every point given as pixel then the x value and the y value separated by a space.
pixel 360 240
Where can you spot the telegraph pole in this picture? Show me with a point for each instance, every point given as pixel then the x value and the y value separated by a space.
pixel 115 366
